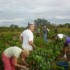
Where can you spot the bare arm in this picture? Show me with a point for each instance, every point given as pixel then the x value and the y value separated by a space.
pixel 23 60
pixel 15 60
pixel 21 38
pixel 32 44
pixel 65 50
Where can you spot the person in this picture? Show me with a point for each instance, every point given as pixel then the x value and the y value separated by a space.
pixel 45 33
pixel 10 58
pixel 66 43
pixel 27 37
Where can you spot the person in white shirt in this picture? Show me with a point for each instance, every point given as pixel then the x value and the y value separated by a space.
pixel 10 58
pixel 27 37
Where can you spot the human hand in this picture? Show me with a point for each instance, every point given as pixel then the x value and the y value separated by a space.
pixel 25 69
pixel 34 47
pixel 65 56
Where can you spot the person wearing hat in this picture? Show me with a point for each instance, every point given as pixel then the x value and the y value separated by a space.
pixel 10 58
pixel 27 37
pixel 66 42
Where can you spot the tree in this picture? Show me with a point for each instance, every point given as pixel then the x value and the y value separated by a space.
pixel 42 22
pixel 14 26
pixel 67 25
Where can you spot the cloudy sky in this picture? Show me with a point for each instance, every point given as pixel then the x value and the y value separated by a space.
pixel 20 12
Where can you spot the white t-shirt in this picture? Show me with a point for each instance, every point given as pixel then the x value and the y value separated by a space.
pixel 13 51
pixel 27 36
pixel 61 36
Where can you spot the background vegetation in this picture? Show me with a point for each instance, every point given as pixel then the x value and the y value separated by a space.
pixel 43 57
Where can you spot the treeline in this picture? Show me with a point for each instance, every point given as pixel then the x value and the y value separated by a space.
pixel 42 22
pixel 6 29
pixel 39 23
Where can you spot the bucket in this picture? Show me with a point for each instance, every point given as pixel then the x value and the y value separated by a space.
pixel 63 64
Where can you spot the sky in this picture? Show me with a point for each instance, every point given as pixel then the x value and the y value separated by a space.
pixel 20 12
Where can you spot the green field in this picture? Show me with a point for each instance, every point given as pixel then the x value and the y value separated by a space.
pixel 44 57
